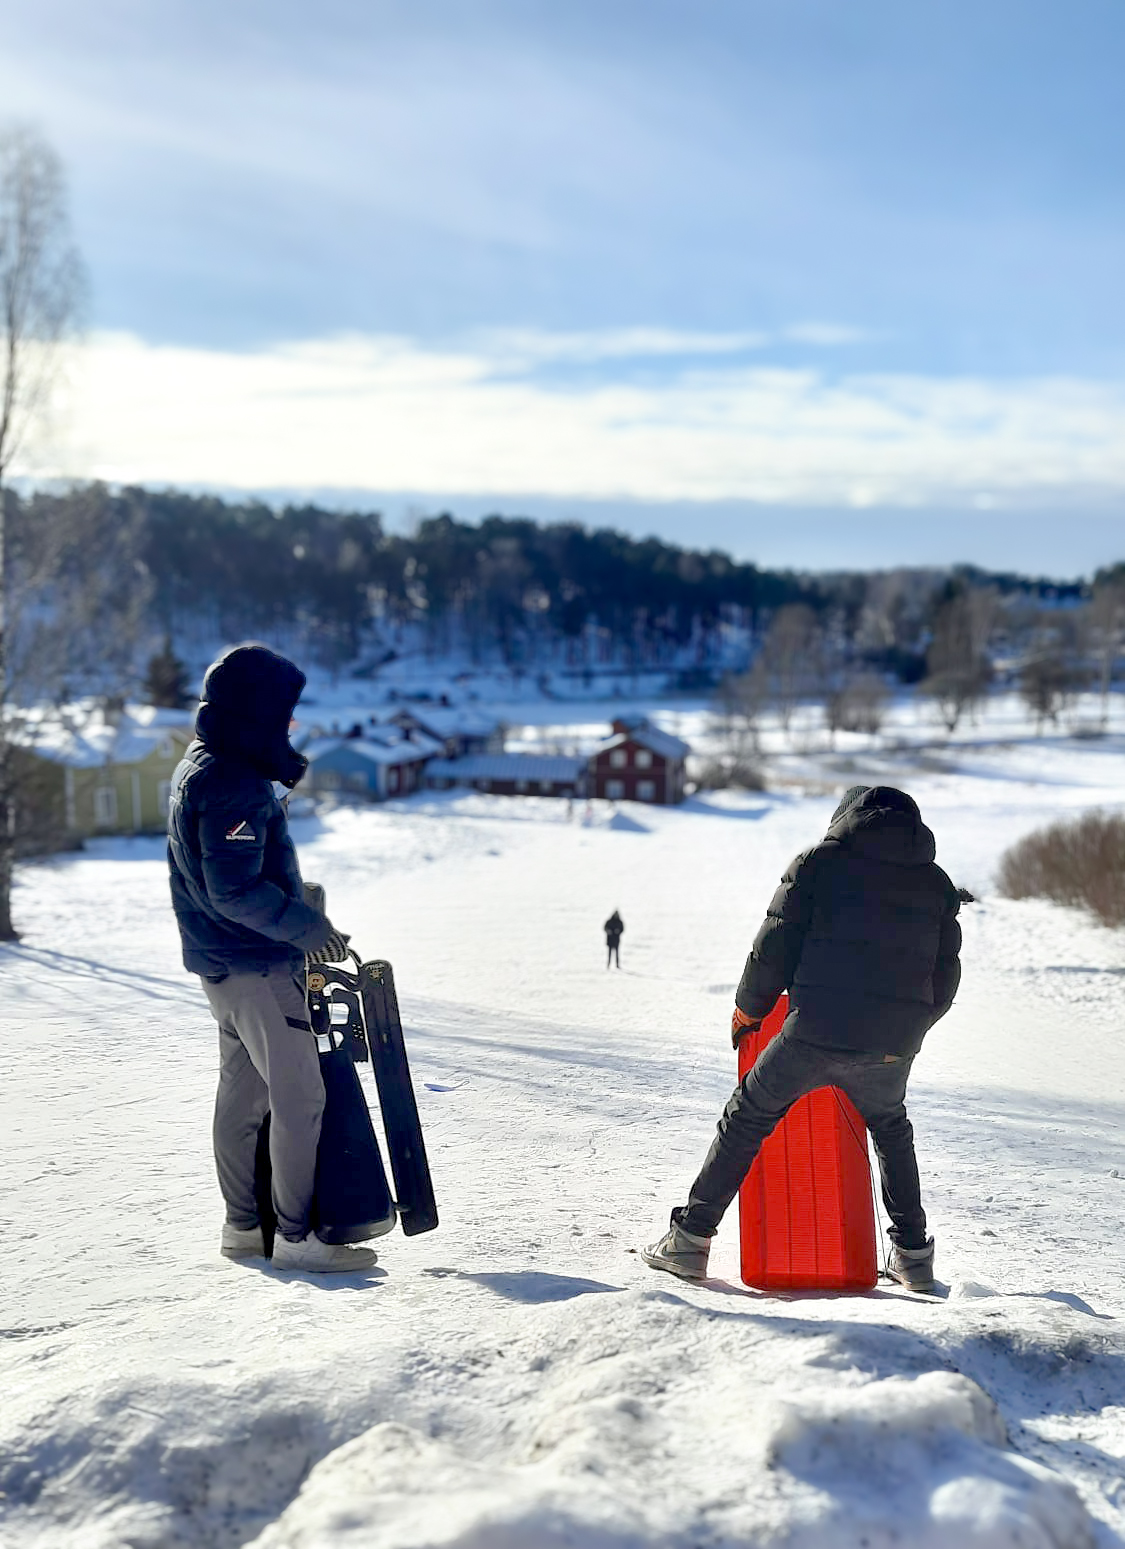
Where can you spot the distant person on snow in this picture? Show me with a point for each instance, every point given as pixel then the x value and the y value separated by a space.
pixel 863 934
pixel 249 928
pixel 614 930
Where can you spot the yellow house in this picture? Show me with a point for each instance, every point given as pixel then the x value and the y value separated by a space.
pixel 110 777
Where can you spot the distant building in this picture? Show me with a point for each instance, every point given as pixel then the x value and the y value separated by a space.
pixel 458 731
pixel 511 774
pixel 374 770
pixel 110 775
pixel 640 763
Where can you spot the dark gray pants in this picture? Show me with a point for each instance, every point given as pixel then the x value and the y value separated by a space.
pixel 267 1063
pixel 785 1071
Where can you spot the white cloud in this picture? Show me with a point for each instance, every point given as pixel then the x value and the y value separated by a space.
pixel 826 334
pixel 387 414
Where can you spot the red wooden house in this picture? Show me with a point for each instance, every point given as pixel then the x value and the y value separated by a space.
pixel 640 763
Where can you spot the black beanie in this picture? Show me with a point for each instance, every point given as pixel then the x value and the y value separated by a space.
pixel 849 799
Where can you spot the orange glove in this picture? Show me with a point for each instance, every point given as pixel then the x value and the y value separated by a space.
pixel 741 1024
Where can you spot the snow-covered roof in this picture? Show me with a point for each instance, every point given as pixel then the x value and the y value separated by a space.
pixel 405 751
pixel 554 768
pixel 88 743
pixel 445 722
pixel 652 738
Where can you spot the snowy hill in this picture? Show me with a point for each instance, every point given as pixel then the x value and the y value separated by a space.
pixel 518 1379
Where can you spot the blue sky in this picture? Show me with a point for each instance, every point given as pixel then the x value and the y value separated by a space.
pixel 686 206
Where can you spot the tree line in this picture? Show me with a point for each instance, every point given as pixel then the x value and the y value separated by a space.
pixel 122 569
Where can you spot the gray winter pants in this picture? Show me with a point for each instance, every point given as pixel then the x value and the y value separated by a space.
pixel 267 1063
pixel 785 1070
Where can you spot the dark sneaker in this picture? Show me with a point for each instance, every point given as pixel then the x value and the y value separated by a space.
pixel 680 1253
pixel 913 1267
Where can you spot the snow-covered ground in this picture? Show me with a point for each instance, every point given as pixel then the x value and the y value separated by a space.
pixel 518 1379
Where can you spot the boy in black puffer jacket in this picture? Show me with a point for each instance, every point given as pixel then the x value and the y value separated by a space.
pixel 247 926
pixel 863 934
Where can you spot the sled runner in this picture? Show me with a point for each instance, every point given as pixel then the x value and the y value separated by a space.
pixel 806 1218
pixel 405 1146
pixel 355 1017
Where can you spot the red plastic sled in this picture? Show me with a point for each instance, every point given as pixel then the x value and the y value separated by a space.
pixel 805 1211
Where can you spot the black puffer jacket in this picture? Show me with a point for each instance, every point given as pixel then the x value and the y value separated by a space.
pixel 236 885
pixel 862 932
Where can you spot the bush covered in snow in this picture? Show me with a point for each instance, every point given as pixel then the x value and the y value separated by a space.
pixel 1080 862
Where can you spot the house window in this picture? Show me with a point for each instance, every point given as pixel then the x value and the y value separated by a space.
pixel 643 759
pixel 357 782
pixel 618 758
pixel 615 789
pixel 521 787
pixel 328 780
pixel 105 806
pixel 166 748
pixel 546 787
pixel 393 779
pixel 646 790
pixel 163 796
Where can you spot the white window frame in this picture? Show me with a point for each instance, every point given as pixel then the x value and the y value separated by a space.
pixel 614 789
pixel 105 806
pixel 643 759
pixel 646 790
pixel 619 759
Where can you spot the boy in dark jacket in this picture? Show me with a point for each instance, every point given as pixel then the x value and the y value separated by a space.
pixel 863 934
pixel 247 928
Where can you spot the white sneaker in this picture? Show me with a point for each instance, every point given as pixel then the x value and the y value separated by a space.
pixel 240 1243
pixel 320 1258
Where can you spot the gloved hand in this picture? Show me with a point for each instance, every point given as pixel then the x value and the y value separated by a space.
pixel 334 950
pixel 740 1025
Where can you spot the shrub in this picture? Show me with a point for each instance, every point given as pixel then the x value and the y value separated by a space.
pixel 858 705
pixel 1080 862
pixel 724 774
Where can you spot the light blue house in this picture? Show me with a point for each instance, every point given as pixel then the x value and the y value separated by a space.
pixel 364 768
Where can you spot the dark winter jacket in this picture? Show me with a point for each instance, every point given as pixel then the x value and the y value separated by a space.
pixel 236 886
pixel 614 929
pixel 862 932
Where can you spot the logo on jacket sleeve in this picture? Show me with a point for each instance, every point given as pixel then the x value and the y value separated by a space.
pixel 241 831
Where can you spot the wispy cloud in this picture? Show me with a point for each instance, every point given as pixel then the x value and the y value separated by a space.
pixel 385 413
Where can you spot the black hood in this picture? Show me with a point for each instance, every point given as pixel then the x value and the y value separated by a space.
pixel 249 696
pixel 884 823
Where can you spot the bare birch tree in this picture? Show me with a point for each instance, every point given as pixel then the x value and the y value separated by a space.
pixel 40 288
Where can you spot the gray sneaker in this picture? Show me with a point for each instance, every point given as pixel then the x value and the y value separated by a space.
pixel 242 1243
pixel 680 1253
pixel 913 1267
pixel 320 1258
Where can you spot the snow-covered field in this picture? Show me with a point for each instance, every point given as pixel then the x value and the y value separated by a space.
pixel 518 1379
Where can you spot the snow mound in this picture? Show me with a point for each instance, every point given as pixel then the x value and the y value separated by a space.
pixel 644 1431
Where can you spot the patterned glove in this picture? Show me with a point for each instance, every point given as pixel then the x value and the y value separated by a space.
pixel 334 950
pixel 741 1024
